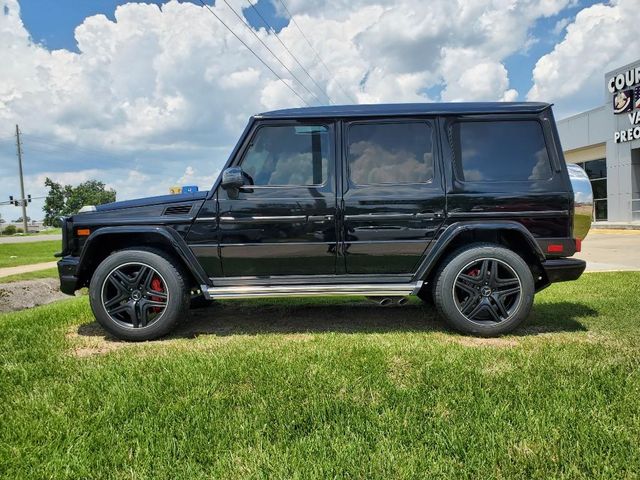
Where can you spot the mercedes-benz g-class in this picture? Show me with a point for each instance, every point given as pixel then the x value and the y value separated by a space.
pixel 467 205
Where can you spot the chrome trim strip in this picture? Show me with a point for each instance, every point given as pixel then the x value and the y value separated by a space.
pixel 394 216
pixel 352 279
pixel 273 244
pixel 379 216
pixel 280 218
pixel 206 219
pixel 255 291
pixel 527 213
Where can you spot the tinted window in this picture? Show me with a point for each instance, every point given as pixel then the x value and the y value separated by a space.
pixel 501 151
pixel 288 155
pixel 390 153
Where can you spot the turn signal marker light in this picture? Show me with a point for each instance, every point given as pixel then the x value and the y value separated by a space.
pixel 83 232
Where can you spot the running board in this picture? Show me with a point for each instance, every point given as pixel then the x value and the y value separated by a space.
pixel 257 291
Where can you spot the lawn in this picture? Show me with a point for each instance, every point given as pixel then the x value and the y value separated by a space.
pixel 328 388
pixel 14 254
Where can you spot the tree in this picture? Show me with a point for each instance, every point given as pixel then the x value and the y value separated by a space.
pixel 67 200
pixel 9 230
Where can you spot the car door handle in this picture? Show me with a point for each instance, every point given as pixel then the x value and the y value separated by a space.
pixel 427 215
pixel 320 218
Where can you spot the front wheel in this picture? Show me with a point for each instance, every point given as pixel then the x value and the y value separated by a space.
pixel 138 295
pixel 485 290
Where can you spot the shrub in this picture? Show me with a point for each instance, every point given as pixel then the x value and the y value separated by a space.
pixel 9 230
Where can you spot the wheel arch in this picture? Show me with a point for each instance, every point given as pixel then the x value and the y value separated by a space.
pixel 106 240
pixel 511 235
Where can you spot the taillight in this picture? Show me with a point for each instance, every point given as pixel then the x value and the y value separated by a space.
pixel 555 248
pixel 578 245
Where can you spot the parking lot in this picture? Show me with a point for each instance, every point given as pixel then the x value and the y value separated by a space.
pixel 608 250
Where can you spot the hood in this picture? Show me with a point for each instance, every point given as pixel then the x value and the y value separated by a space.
pixel 148 201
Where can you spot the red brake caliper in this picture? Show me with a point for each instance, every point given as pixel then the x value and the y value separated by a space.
pixel 156 284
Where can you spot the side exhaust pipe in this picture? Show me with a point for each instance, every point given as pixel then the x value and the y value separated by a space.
pixel 402 301
pixel 387 301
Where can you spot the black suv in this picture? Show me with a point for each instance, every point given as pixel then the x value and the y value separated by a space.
pixel 466 205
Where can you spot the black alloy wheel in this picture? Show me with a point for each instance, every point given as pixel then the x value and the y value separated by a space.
pixel 484 289
pixel 134 295
pixel 140 294
pixel 487 290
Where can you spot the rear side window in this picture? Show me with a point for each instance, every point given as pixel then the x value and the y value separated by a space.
pixel 500 151
pixel 381 153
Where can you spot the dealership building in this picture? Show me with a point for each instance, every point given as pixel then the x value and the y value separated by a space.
pixel 605 141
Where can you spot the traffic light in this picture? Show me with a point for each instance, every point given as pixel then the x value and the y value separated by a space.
pixel 29 198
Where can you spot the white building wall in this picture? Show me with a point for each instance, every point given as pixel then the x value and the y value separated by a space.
pixel 583 136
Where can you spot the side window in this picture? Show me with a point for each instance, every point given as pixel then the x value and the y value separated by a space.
pixel 390 153
pixel 288 155
pixel 500 151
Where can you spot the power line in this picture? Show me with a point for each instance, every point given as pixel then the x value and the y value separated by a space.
pixel 348 95
pixel 255 54
pixel 241 18
pixel 273 30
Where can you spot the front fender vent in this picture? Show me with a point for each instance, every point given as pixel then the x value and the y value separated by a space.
pixel 178 210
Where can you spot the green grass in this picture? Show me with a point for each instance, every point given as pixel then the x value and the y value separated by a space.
pixel 14 254
pixel 329 388
pixel 47 273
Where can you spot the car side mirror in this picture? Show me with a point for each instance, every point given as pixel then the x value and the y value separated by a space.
pixel 233 181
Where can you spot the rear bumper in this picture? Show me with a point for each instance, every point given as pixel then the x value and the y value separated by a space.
pixel 67 271
pixel 563 269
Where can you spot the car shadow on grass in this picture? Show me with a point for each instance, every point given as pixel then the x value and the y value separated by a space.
pixel 293 316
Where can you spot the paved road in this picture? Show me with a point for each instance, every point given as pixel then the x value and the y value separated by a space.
pixel 611 250
pixel 5 272
pixel 31 238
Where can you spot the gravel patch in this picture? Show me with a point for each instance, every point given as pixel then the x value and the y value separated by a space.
pixel 29 293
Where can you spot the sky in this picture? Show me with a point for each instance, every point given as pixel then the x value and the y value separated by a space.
pixel 144 96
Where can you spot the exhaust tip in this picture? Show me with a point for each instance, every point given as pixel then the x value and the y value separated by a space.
pixel 402 301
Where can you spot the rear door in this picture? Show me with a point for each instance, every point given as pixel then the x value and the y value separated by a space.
pixel 283 224
pixel 393 198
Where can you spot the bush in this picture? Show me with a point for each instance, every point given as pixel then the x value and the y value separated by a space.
pixel 9 230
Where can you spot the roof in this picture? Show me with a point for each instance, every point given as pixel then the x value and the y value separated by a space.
pixel 402 109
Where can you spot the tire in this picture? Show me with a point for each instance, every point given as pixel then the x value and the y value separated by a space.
pixel 138 295
pixel 473 299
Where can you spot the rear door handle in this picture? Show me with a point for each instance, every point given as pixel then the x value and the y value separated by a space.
pixel 428 215
pixel 320 218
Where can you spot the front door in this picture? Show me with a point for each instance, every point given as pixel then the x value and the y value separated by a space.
pixel 393 196
pixel 284 223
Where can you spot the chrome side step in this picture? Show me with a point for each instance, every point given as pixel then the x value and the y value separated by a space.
pixel 257 291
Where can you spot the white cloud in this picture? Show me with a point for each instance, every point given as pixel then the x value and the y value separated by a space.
pixel 600 38
pixel 161 89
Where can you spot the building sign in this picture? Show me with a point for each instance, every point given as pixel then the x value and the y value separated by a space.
pixel 625 88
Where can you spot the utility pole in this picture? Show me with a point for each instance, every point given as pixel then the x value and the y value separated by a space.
pixel 23 199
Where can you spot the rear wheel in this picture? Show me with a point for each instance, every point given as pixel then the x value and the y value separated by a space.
pixel 138 295
pixel 485 289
